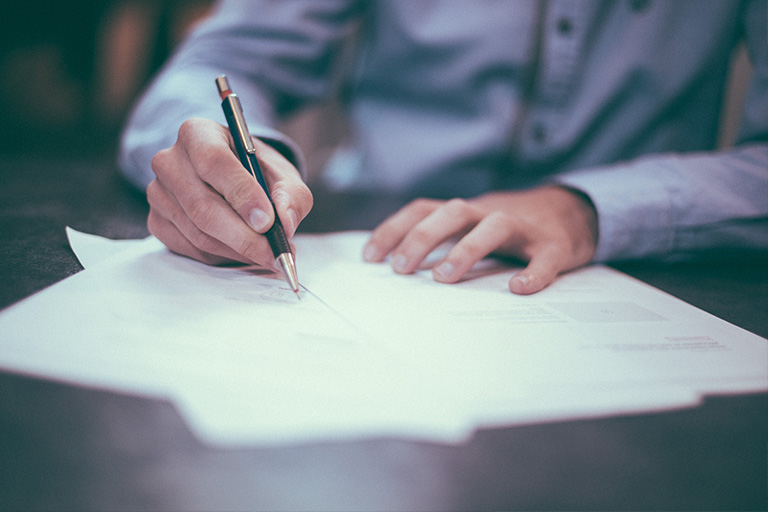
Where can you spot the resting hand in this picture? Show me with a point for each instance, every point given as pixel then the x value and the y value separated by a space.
pixel 554 229
pixel 205 205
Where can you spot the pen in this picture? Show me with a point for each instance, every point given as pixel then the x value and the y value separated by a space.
pixel 246 151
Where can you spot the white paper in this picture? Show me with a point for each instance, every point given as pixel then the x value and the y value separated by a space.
pixel 366 352
pixel 92 249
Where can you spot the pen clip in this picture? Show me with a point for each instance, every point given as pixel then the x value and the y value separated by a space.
pixel 237 111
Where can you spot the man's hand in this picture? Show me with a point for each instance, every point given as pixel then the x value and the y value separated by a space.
pixel 205 205
pixel 553 228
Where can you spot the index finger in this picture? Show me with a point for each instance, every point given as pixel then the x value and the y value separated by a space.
pixel 290 195
pixel 218 166
pixel 388 235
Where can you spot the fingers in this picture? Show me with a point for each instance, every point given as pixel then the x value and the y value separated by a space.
pixel 566 240
pixel 217 166
pixel 415 231
pixel 204 203
pixel 390 233
pixel 541 271
pixel 197 210
pixel 489 234
pixel 550 227
pixel 293 199
pixel 169 222
pixel 178 243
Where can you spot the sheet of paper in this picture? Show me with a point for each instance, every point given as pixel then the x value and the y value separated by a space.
pixel 92 249
pixel 366 352
pixel 233 347
pixel 594 342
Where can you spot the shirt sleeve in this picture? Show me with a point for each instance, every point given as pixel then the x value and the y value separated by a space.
pixel 277 56
pixel 673 206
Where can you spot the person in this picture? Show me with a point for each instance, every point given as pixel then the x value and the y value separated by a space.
pixel 559 133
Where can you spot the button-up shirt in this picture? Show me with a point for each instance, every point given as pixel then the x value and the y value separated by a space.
pixel 450 98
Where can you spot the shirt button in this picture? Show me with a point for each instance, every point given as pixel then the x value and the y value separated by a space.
pixel 564 26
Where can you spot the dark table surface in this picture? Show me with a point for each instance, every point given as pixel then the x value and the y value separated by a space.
pixel 65 447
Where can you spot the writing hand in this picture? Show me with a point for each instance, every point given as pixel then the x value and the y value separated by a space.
pixel 205 205
pixel 553 228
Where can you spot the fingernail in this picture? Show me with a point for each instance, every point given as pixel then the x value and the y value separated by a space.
pixel 399 263
pixel 519 283
pixel 259 219
pixel 444 270
pixel 371 253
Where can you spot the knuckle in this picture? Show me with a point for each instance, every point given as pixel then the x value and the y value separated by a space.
pixel 420 234
pixel 499 219
pixel 154 224
pixel 207 244
pixel 298 197
pixel 458 207
pixel 249 249
pixel 189 128
pixel 421 205
pixel 255 250
pixel 201 147
pixel 202 213
pixel 203 242
pixel 206 163
pixel 177 217
pixel 152 192
pixel 467 249
pixel 198 239
pixel 240 192
pixel 161 161
pixel 305 197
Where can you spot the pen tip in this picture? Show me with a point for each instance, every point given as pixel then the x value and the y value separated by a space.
pixel 288 267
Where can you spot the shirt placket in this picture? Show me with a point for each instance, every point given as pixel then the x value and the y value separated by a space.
pixel 563 35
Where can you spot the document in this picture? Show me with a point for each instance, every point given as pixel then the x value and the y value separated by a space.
pixel 366 352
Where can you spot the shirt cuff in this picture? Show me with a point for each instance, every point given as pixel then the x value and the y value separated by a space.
pixel 633 212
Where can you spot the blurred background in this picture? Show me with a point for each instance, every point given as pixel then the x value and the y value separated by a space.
pixel 70 71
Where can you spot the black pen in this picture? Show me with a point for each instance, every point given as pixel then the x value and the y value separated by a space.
pixel 246 151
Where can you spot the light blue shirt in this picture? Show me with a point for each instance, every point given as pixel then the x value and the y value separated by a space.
pixel 447 98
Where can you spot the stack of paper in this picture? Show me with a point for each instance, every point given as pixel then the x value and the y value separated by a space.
pixel 366 352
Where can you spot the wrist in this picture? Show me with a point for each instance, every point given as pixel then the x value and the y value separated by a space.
pixel 580 214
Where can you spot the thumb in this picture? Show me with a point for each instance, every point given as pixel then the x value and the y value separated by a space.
pixel 542 269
